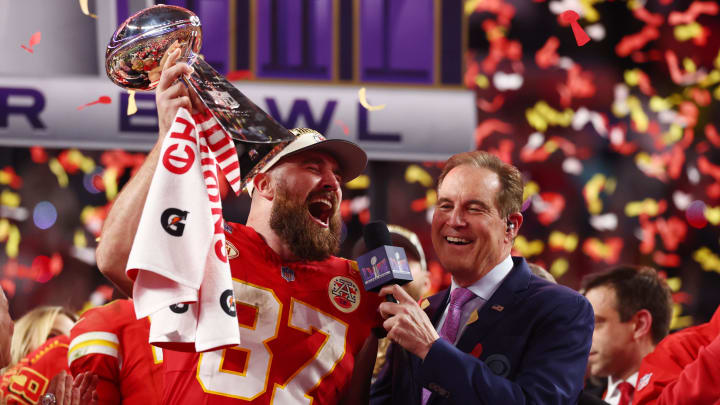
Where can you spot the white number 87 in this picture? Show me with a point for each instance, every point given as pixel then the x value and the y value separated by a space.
pixel 252 383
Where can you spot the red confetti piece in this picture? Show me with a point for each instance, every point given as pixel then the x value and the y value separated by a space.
pixel 34 40
pixel 237 75
pixel 580 84
pixel 345 128
pixel 672 231
pixel 101 100
pixel 634 42
pixel 547 56
pixel 642 14
pixel 666 259
pixel 701 96
pixel 488 127
pixel 491 107
pixel 708 168
pixel 504 11
pixel 38 154
pixel 692 13
pixel 477 351
pixel 713 191
pixel 571 17
pixel 553 204
pixel 419 205
pixel 695 214
pixel 504 150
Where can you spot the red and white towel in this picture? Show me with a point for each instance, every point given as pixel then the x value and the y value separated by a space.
pixel 178 258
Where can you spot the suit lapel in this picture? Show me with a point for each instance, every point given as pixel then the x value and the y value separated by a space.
pixel 436 305
pixel 504 298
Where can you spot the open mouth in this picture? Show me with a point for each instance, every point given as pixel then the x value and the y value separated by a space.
pixel 320 210
pixel 457 241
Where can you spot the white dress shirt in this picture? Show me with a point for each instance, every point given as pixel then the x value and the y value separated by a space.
pixel 483 290
pixel 612 395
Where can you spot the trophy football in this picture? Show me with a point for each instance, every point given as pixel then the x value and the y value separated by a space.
pixel 134 59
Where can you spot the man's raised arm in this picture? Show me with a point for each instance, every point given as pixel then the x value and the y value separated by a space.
pixel 118 231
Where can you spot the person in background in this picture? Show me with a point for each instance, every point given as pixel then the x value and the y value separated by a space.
pixel 38 353
pixel 417 288
pixel 112 343
pixel 37 326
pixel 499 335
pixel 633 307
pixel 7 327
pixel 542 273
pixel 684 369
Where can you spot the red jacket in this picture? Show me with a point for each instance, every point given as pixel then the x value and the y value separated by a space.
pixel 683 369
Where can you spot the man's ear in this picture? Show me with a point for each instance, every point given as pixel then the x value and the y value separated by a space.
pixel 642 321
pixel 514 222
pixel 263 186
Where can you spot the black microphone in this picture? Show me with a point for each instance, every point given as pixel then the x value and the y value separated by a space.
pixel 383 263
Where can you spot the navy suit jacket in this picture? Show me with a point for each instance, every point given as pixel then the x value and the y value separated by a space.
pixel 529 345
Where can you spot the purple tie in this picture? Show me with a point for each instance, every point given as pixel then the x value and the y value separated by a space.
pixel 458 298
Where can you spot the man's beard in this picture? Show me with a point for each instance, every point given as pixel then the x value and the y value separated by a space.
pixel 307 240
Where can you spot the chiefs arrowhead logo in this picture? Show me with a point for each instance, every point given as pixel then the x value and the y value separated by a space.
pixel 231 250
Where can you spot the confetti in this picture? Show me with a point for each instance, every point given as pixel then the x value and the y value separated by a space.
pixel 504 82
pixel 132 106
pixel 604 222
pixel 607 251
pixel 707 259
pixel 559 267
pixel 528 248
pixel 59 172
pixel 360 182
pixel 563 242
pixel 364 102
pixel 488 127
pixel 547 56
pixel 695 214
pixel 692 13
pixel 34 40
pixel 344 127
pixel 84 8
pixel 596 32
pixel 101 100
pixel 571 17
pixel 416 174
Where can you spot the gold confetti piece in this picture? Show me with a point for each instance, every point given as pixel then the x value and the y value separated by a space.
pixel 674 283
pixel 689 65
pixel 84 8
pixel 473 317
pixel 707 259
pixel 364 103
pixel 59 172
pixel 415 173
pixel 79 239
pixel 9 199
pixel 4 229
pixel 559 267
pixel 528 248
pixel 482 81
pixel 431 197
pixel 567 242
pixel 712 214
pixel 132 107
pixel 688 31
pixel 658 104
pixel 531 188
pixel 13 244
pixel 109 179
pixel 360 182
pixel 471 5
pixel 424 303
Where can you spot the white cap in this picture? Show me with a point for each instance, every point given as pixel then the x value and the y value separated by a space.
pixel 351 158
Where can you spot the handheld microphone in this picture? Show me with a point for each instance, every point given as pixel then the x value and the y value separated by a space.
pixel 383 264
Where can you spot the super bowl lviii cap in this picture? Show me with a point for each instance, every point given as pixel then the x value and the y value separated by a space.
pixel 350 158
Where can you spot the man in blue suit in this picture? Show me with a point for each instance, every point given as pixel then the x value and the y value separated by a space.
pixel 499 335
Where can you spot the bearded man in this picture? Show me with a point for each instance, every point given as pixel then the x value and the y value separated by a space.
pixel 305 320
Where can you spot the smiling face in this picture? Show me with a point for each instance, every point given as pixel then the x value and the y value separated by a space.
pixel 305 211
pixel 469 234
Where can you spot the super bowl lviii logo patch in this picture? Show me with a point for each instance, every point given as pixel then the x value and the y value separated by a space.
pixel 173 221
pixel 344 294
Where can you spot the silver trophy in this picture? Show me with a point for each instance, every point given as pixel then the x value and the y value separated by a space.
pixel 134 60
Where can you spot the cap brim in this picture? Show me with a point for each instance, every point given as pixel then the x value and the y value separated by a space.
pixel 350 157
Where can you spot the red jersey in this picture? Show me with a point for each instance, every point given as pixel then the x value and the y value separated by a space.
pixel 683 369
pixel 301 326
pixel 110 342
pixel 28 380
